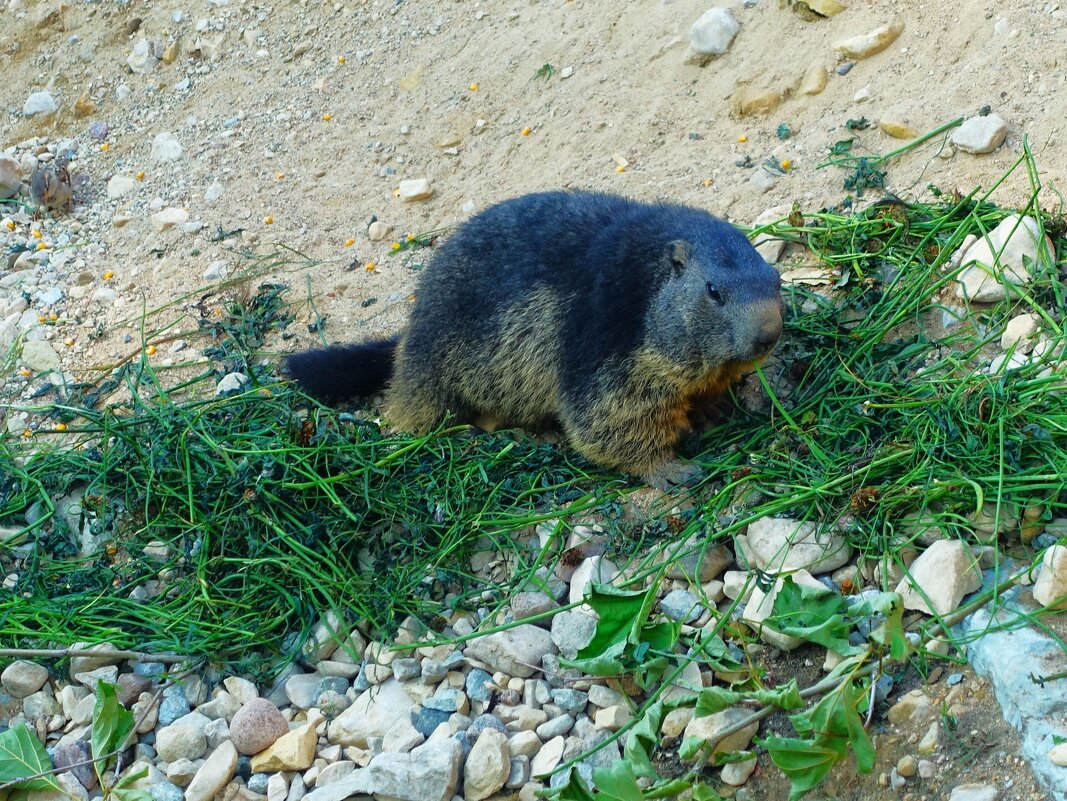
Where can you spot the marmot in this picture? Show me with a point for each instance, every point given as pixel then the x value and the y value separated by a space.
pixel 612 318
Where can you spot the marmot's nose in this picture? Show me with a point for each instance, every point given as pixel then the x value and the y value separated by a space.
pixel 769 332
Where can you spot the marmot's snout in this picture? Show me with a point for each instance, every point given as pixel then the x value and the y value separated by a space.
pixel 767 328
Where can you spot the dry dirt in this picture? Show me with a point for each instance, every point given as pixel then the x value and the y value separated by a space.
pixel 309 114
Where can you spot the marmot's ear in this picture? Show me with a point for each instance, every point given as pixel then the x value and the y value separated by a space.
pixel 678 252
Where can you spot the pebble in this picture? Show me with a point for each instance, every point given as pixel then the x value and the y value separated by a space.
pixel 572 631
pixel 415 189
pixel 516 651
pixel 232 383
pixel 372 714
pixel 1050 588
pixel 915 707
pixel 292 751
pixel 973 792
pixel 1014 242
pixel 169 218
pixel 940 577
pixel 377 231
pixel 865 45
pixel 1019 333
pixel 736 774
pixel 550 755
pixel 144 56
pixel 213 775
pixel 166 148
pixel 713 32
pixel 681 605
pixel 896 128
pixel 40 103
pixel 180 742
pixel 1057 755
pixel 709 727
pixel 980 134
pixel 487 767
pixel 256 726
pixel 762 179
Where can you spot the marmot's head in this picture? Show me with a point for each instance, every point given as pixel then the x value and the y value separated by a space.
pixel 720 302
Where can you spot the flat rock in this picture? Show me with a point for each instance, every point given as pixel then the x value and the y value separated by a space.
pixel 713 32
pixel 120 185
pixel 169 218
pixel 980 134
pixel 214 774
pixel 39 356
pixel 166 148
pixel 429 773
pixel 550 755
pixel 780 544
pixel 39 103
pixel 372 714
pixel 292 751
pixel 707 560
pixel 1001 258
pixel 770 248
pixel 865 45
pixel 517 651
pixel 813 80
pixel 592 570
pixel 180 742
pixel 750 101
pixel 487 767
pixel 973 792
pixel 1020 333
pixel 944 572
pixel 377 231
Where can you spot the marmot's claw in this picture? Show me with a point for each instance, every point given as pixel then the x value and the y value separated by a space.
pixel 671 474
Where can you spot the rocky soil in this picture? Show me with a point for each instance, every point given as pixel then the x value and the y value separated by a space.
pixel 206 135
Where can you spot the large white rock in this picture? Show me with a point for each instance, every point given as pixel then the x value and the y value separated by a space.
pixel 780 544
pixel 710 728
pixel 1051 585
pixel 516 651
pixel 980 134
pixel 371 715
pixel 713 32
pixel 213 775
pixel 487 766
pixel 944 572
pixel 1002 257
pixel 10 176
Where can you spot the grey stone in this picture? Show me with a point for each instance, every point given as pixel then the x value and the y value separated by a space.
pixel 173 706
pixel 166 148
pixel 40 103
pixel 406 668
pixel 180 742
pixel 479 685
pixel 372 714
pixel 518 772
pixel 681 605
pixel 302 689
pixel 256 726
pixel 713 32
pixel 429 719
pixel 556 727
pixel 980 134
pixel 516 651
pixel 571 701
pixel 10 176
pixel 572 630
pixel 40 704
pixel 22 678
pixel 213 775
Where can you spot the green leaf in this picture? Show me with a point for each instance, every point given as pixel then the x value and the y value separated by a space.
pixel 805 763
pixel 616 783
pixel 575 789
pixel 890 634
pixel 111 722
pixel 813 614
pixel 669 789
pixel 642 741
pixel 705 792
pixel 123 792
pixel 841 147
pixel 858 125
pixel 22 756
pixel 715 699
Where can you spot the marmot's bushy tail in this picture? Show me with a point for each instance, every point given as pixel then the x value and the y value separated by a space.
pixel 340 372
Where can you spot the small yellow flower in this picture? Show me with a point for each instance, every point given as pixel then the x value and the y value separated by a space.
pixel 742 138
pixel 53 316
pixel 341 59
pixel 150 350
pixel 25 373
pixel 786 164
pixel 619 168
pixel 370 266
pixel 708 181
pixel 61 426
pixel 27 433
pixel 42 245
pixel 474 86
pixel 140 175
pixel 349 243
pixel 108 275
pixel 396 246
pixel 36 233
pixel 105 147
pixel 41 318
pixel 526 131
pixel 327 117
pixel 11 225
pixel 268 220
pixel 411 237
pixel 279 176
pixel 69 342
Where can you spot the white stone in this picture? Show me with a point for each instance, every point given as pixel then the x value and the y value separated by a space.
pixel 415 189
pixel 713 32
pixel 945 572
pixel 973 792
pixel 487 766
pixel 120 185
pixel 546 760
pixel 38 355
pixel 144 56
pixel 180 742
pixel 710 728
pixel 216 270
pixel 169 218
pixel 517 651
pixel 213 775
pixel 1002 257
pixel 22 678
pixel 165 147
pixel 372 714
pixel 1057 755
pixel 594 569
pixel 769 247
pixel 377 231
pixel 1020 333
pixel 736 773
pixel 40 103
pixel 1051 585
pixel 871 43
pixel 779 544
pixel 980 134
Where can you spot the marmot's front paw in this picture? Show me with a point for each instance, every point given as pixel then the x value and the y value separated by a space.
pixel 671 474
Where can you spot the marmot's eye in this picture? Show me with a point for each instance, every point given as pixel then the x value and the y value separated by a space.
pixel 714 293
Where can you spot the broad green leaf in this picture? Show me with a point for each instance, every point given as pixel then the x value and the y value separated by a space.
pixel 616 783
pixel 642 741
pixel 691 748
pixel 812 614
pixel 575 789
pixel 804 762
pixel 669 789
pixel 21 756
pixel 705 792
pixel 111 722
pixel 890 634
pixel 123 792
